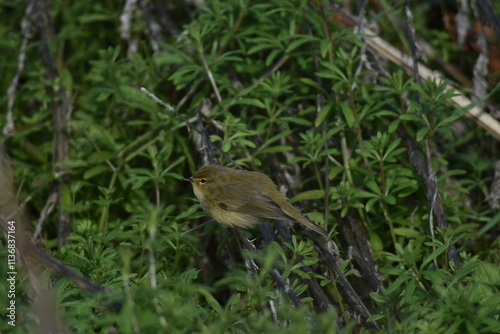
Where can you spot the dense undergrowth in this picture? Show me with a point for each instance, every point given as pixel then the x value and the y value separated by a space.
pixel 282 87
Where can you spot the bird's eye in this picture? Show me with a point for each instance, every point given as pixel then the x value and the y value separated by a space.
pixel 203 181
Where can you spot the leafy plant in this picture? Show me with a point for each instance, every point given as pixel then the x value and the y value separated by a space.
pixel 285 87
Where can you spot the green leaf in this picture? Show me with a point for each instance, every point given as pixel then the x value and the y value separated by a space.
pixel 378 298
pixel 343 212
pixel 308 195
pixel 314 84
pixel 298 42
pixel 375 241
pixel 296 120
pixel 133 97
pixel 67 79
pixel 247 142
pixel 405 187
pixel 393 125
pixel 348 115
pixel 272 55
pixel 357 205
pixel 95 171
pixel 226 146
pixel 390 199
pixel 100 156
pixel 410 118
pixel 260 47
pixel 369 204
pixel 214 304
pixel 447 120
pixel 407 232
pixel 392 147
pixel 422 133
pixel 138 181
pixel 277 149
pixel 72 163
pixel 323 46
pixel 376 317
pixel 322 115
pixel 215 138
pixel 86 19
pixel 465 271
pixel 249 101
pixel 373 186
pixel 438 251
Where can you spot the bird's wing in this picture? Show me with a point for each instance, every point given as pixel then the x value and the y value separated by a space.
pixel 247 199
pixel 241 198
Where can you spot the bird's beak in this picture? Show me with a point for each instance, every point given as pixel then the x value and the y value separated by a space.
pixel 188 179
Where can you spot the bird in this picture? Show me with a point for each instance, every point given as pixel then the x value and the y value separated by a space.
pixel 243 198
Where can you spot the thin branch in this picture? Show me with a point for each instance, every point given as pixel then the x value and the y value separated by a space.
pixel 350 295
pixel 411 40
pixel 28 32
pixel 211 78
pixel 47 209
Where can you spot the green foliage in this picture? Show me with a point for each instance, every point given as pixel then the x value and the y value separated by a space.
pixel 281 89
pixel 426 298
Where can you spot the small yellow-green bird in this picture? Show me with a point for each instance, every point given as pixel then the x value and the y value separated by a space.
pixel 242 198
